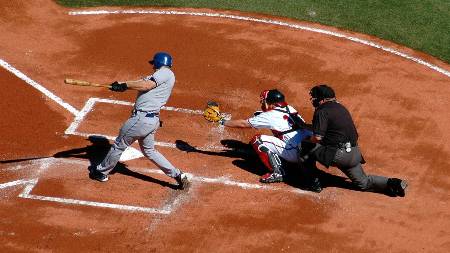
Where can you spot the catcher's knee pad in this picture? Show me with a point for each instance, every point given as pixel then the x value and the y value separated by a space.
pixel 256 142
pixel 271 160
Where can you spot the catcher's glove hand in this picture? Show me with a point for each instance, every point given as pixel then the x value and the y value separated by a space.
pixel 118 87
pixel 212 112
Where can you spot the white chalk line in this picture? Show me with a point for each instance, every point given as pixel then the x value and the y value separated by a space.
pixel 223 180
pixel 15 183
pixel 272 22
pixel 39 87
pixel 26 194
pixel 80 115
pixel 166 209
pixel 89 105
pixel 44 164
pixel 112 138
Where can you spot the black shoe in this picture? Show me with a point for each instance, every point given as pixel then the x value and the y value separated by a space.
pixel 402 188
pixel 271 178
pixel 97 175
pixel 314 186
pixel 397 186
pixel 183 181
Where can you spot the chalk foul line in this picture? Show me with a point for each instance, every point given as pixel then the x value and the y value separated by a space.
pixel 38 86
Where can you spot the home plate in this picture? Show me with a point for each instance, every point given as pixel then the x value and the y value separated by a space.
pixel 130 153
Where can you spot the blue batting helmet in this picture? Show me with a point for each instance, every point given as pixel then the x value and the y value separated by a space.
pixel 161 59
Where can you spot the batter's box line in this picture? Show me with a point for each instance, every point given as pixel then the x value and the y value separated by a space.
pixel 170 205
pixel 26 194
pixel 31 183
pixel 89 105
pixel 166 209
pixel 223 180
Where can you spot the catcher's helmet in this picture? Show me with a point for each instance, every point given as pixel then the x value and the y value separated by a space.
pixel 161 59
pixel 321 92
pixel 272 96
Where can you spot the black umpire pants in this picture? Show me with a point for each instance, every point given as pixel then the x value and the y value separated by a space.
pixel 350 164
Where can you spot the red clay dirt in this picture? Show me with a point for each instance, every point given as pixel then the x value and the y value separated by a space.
pixel 400 108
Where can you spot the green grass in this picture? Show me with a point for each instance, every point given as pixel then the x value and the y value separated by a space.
pixel 423 25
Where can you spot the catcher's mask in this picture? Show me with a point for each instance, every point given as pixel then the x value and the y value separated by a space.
pixel 161 59
pixel 321 92
pixel 271 97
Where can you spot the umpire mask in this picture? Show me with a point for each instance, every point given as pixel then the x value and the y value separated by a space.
pixel 319 93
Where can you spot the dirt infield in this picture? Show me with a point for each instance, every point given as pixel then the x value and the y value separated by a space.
pixel 398 98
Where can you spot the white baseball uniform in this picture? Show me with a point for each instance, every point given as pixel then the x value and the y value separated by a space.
pixel 285 141
pixel 143 123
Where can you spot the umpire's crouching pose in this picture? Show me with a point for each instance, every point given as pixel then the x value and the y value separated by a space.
pixel 336 141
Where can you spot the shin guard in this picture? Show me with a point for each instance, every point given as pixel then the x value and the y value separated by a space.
pixel 271 160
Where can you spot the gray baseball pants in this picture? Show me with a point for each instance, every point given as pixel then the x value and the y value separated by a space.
pixel 350 164
pixel 141 127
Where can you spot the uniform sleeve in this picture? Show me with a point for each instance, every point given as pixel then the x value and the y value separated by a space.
pixel 148 78
pixel 320 122
pixel 262 120
pixel 159 77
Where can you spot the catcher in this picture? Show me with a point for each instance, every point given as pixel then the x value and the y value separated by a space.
pixel 287 126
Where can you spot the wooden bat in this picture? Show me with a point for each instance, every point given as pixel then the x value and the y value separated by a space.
pixel 85 83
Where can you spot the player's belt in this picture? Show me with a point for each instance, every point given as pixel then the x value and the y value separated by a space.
pixel 147 114
pixel 152 114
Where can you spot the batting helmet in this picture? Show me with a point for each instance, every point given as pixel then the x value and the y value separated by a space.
pixel 161 59
pixel 321 92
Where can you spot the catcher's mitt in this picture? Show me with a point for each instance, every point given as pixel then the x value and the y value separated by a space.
pixel 212 112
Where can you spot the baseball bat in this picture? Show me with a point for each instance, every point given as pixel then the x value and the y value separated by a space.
pixel 85 83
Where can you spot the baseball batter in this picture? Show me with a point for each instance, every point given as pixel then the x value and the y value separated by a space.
pixel 288 129
pixel 153 92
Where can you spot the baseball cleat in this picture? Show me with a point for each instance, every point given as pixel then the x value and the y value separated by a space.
pixel 401 188
pixel 183 181
pixel 314 186
pixel 271 178
pixel 397 187
pixel 96 175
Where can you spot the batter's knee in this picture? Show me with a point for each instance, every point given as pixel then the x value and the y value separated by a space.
pixel 118 145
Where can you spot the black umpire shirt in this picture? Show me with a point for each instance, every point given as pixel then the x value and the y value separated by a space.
pixel 334 123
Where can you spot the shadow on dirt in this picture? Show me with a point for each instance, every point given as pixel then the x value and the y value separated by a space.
pixel 249 161
pixel 97 150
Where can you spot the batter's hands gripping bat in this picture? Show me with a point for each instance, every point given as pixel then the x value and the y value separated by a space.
pixel 86 83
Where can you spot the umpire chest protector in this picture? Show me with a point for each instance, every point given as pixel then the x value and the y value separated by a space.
pixel 334 123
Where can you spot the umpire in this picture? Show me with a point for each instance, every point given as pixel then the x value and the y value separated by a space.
pixel 336 144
